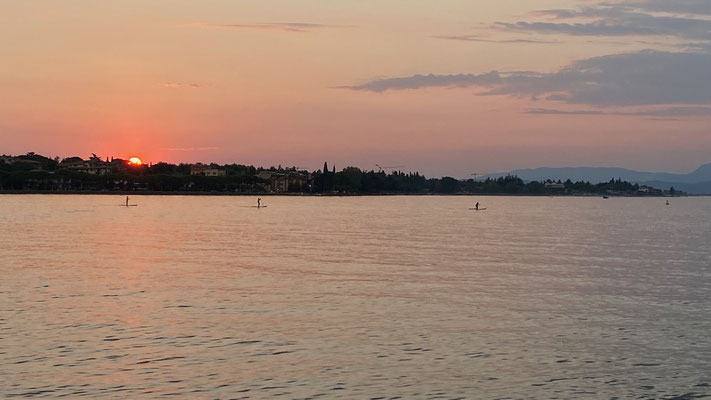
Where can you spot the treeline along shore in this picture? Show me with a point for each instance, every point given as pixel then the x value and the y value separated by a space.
pixel 34 173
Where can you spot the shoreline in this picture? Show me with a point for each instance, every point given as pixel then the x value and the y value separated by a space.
pixel 267 194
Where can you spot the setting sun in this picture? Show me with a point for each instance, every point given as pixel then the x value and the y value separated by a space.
pixel 135 161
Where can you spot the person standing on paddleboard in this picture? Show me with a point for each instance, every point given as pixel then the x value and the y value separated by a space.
pixel 259 202
pixel 126 201
pixel 476 207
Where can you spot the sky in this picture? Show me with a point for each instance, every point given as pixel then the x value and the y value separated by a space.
pixel 443 87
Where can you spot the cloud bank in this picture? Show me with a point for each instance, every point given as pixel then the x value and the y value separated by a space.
pixel 643 78
pixel 699 7
pixel 682 20
pixel 614 21
pixel 431 80
pixel 657 112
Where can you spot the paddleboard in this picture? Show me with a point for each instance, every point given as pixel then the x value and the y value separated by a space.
pixel 259 206
pixel 479 209
pixel 130 205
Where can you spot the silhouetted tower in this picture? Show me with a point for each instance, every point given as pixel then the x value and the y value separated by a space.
pixel 326 181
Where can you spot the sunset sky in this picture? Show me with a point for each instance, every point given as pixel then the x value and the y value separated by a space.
pixel 444 87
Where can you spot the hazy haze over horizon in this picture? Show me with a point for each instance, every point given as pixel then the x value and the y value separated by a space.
pixel 445 88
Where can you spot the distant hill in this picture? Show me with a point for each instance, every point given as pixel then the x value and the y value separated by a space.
pixel 691 188
pixel 696 182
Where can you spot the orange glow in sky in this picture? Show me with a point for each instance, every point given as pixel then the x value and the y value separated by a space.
pixel 135 161
pixel 444 88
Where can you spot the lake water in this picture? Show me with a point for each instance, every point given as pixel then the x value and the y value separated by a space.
pixel 359 298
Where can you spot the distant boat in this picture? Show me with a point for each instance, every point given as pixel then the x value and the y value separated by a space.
pixel 605 197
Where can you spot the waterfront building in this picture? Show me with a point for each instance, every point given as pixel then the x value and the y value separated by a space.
pixel 288 181
pixel 94 165
pixel 206 170
pixel 554 185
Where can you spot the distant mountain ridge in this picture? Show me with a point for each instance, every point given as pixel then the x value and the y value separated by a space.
pixel 696 182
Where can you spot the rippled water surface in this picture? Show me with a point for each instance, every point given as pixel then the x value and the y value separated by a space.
pixel 361 298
